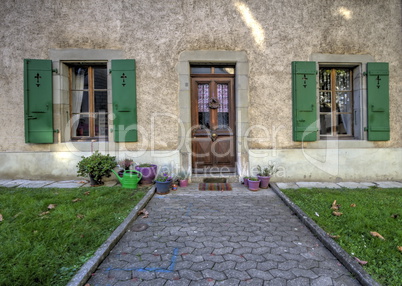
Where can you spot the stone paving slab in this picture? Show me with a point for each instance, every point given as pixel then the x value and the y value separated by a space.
pixel 3 182
pixel 35 184
pixel 14 183
pixel 66 184
pixel 389 184
pixel 287 185
pixel 234 237
pixel 320 185
pixel 356 185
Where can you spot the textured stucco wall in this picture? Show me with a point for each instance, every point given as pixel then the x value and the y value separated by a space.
pixel 272 33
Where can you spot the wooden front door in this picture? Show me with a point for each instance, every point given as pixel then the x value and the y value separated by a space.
pixel 213 123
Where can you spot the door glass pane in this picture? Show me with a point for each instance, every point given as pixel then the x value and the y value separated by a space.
pixel 325 124
pixel 325 101
pixel 203 108
pixel 223 109
pixel 100 101
pixel 342 79
pixel 344 101
pixel 325 79
pixel 100 77
pixel 344 124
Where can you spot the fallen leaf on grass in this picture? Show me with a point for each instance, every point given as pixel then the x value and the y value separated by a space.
pixel 399 248
pixel 334 236
pixel 376 234
pixel 362 262
pixel 337 213
pixel 353 205
pixel 51 206
pixel 76 200
pixel 145 212
pixel 44 213
pixel 1 217
pixel 317 214
pixel 80 216
pixel 335 206
pixel 87 193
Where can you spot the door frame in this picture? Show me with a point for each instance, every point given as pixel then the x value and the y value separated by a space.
pixel 240 61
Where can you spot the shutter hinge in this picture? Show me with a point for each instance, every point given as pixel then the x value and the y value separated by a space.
pixel 56 131
pixel 110 71
pixel 111 130
pixel 365 129
pixel 55 70
pixel 364 73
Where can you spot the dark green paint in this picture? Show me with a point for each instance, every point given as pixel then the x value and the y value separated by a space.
pixel 304 90
pixel 38 101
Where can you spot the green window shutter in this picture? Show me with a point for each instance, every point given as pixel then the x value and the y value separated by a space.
pixel 378 102
pixel 304 101
pixel 124 100
pixel 38 101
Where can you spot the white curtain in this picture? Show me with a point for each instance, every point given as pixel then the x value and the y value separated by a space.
pixel 78 83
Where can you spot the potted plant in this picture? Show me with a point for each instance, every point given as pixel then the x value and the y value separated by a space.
pixel 148 172
pixel 96 167
pixel 163 183
pixel 245 181
pixel 124 165
pixel 183 179
pixel 264 174
pixel 254 184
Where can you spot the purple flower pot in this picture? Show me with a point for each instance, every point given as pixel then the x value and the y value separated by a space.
pixel 245 181
pixel 183 183
pixel 264 181
pixel 148 174
pixel 254 185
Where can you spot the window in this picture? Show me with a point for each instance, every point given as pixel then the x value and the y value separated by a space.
pixel 336 102
pixel 88 101
pixel 352 103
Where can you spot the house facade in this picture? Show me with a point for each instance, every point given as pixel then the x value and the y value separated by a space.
pixel 214 88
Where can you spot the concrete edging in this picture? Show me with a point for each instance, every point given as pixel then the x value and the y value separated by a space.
pixel 90 266
pixel 351 264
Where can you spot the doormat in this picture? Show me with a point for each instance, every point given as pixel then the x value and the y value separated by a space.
pixel 214 180
pixel 214 187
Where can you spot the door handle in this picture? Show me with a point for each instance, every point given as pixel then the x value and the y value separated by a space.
pixel 214 136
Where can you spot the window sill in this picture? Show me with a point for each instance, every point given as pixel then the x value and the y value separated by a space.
pixel 336 143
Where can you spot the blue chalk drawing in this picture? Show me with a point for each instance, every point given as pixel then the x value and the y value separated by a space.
pixel 170 269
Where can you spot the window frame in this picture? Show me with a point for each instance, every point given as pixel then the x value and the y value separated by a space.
pixel 91 100
pixel 359 65
pixel 334 113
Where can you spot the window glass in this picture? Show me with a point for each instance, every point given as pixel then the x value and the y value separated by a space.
pixel 88 91
pixel 336 102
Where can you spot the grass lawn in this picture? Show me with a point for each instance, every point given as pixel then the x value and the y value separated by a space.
pixel 376 210
pixel 41 245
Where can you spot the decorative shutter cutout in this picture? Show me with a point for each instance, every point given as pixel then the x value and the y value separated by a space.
pixel 38 101
pixel 378 102
pixel 124 100
pixel 304 101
